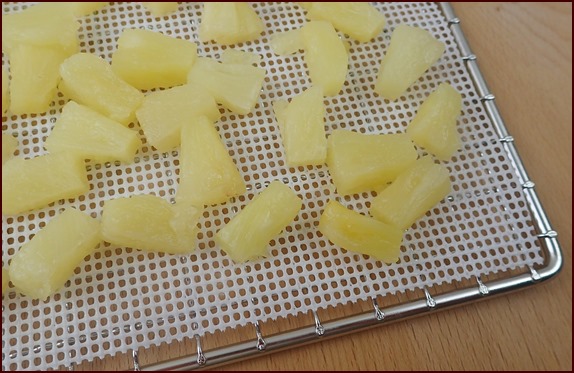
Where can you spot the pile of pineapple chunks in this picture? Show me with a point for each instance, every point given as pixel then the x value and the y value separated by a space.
pixel 181 109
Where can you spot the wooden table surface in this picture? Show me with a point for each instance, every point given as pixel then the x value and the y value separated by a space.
pixel 525 54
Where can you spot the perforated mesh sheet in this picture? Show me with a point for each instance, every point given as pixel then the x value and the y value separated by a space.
pixel 121 299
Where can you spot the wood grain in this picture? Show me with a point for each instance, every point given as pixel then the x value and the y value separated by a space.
pixel 525 53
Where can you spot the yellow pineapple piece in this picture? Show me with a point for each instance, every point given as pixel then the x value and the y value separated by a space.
pixel 150 223
pixel 89 80
pixel 280 109
pixel 207 174
pixel 5 280
pixel 91 135
pixel 219 22
pixel 163 114
pixel 306 5
pixel 43 25
pixel 236 86
pixel 9 145
pixel 148 59
pixel 287 42
pixel 35 78
pixel 247 235
pixel 359 20
pixel 184 224
pixel 411 52
pixel 160 9
pixel 359 233
pixel 5 91
pixel 359 163
pixel 325 56
pixel 302 127
pixel 434 126
pixel 229 23
pixel 83 9
pixel 44 264
pixel 235 56
pixel 36 182
pixel 412 194
pixel 250 25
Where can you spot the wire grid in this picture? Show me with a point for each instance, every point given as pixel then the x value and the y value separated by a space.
pixel 121 299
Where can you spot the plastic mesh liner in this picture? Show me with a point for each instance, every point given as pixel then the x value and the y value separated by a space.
pixel 121 299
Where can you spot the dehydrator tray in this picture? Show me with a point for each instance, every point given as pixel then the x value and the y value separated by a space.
pixel 489 236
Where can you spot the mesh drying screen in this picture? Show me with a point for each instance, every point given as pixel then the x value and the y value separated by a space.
pixel 120 299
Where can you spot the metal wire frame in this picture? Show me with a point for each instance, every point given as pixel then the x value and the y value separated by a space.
pixel 427 302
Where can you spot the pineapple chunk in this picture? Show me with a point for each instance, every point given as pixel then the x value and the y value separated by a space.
pixel 5 280
pixel 236 86
pixel 83 9
pixel 280 109
pixel 250 25
pixel 235 56
pixel 9 145
pixel 35 78
pixel 147 59
pixel 43 25
pixel 287 42
pixel 434 126
pixel 359 233
pixel 89 80
pixel 306 5
pixel 361 21
pixel 219 22
pixel 412 194
pixel 164 113
pixel 302 127
pixel 150 223
pixel 229 23
pixel 36 182
pixel 158 9
pixel 185 224
pixel 359 163
pixel 325 56
pixel 247 235
pixel 91 135
pixel 207 174
pixel 411 52
pixel 44 264
pixel 5 91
